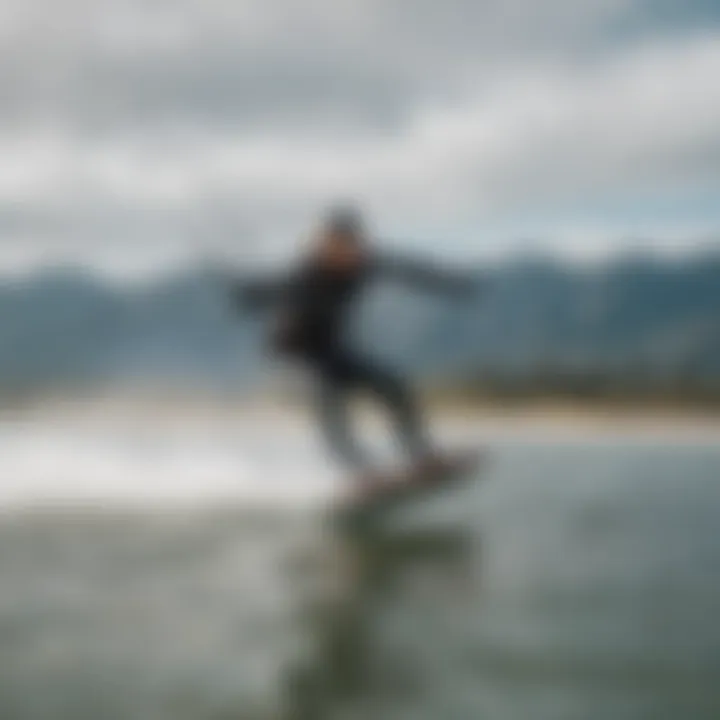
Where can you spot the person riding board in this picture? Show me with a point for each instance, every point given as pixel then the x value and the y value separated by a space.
pixel 313 303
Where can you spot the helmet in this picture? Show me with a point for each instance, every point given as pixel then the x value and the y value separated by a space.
pixel 345 219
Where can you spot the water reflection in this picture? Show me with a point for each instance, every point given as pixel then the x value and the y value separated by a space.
pixel 591 593
pixel 377 573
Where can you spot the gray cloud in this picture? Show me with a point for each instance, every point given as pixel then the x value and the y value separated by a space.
pixel 122 63
pixel 135 124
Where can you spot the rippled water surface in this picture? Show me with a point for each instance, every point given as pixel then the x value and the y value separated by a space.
pixel 567 580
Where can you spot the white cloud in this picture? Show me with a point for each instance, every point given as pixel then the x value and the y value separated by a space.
pixel 153 125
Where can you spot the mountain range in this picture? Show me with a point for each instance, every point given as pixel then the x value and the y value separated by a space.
pixel 640 316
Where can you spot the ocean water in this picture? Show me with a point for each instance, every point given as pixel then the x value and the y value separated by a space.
pixel 188 570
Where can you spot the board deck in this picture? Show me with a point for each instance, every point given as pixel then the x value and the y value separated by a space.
pixel 405 486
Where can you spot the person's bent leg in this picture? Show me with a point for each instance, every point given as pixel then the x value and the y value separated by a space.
pixel 334 422
pixel 409 423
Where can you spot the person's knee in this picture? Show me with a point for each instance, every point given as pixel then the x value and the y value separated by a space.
pixel 396 392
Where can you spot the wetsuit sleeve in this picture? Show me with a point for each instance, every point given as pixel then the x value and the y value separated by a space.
pixel 426 276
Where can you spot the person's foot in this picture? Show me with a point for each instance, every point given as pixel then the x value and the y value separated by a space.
pixel 435 466
pixel 368 485
pixel 432 466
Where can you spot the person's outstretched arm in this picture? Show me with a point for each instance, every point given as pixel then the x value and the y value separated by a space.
pixel 427 276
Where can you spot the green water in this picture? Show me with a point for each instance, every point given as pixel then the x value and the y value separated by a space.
pixel 564 582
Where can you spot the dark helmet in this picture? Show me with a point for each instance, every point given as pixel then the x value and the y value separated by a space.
pixel 345 219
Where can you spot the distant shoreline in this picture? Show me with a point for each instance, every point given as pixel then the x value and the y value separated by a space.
pixel 539 418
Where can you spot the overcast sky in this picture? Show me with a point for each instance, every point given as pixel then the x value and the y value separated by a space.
pixel 133 132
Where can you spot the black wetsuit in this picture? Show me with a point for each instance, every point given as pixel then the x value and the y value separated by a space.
pixel 314 303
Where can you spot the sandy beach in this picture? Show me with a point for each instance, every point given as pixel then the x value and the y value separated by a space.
pixel 554 419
